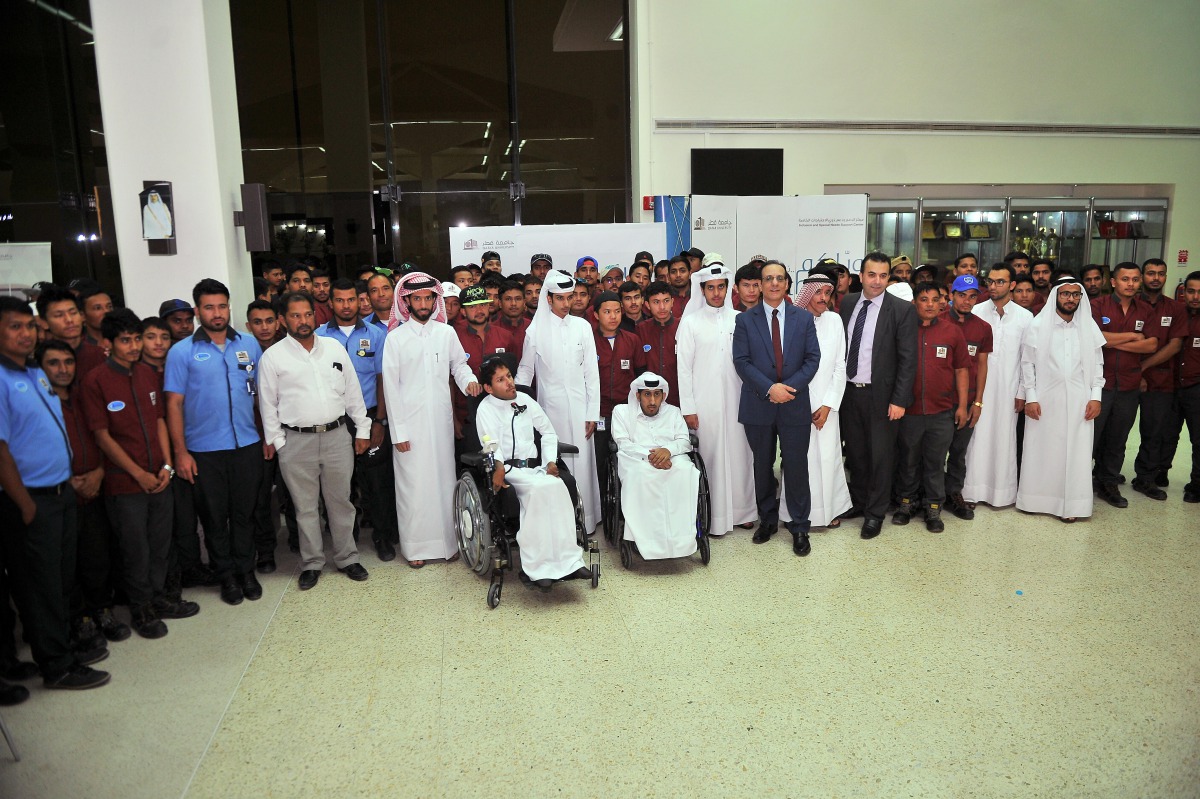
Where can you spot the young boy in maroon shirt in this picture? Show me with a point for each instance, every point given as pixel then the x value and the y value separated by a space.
pixel 939 408
pixel 124 406
pixel 620 359
pixel 978 334
pixel 657 335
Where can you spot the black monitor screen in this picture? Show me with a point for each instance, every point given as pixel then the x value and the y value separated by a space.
pixel 741 172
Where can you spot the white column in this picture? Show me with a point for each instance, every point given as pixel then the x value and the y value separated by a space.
pixel 169 102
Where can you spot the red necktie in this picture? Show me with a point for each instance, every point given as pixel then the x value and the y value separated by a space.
pixel 778 342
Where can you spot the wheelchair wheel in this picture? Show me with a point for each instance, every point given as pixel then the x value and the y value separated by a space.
pixel 595 574
pixel 473 527
pixel 703 503
pixel 627 554
pixel 705 550
pixel 581 533
pixel 493 596
pixel 611 505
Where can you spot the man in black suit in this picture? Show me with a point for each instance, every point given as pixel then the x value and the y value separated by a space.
pixel 776 354
pixel 881 360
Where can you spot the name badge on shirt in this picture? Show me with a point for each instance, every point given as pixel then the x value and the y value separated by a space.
pixel 116 405
pixel 153 397
pixel 602 425
pixel 499 349
pixel 243 356
pixel 42 382
pixel 1196 342
pixel 1165 321
pixel 646 348
pixel 202 356
pixel 364 344
pixel 973 349
pixel 941 352
pixel 1138 325
pixel 1105 320
pixel 624 363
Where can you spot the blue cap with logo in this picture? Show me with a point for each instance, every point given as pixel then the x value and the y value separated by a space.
pixel 965 283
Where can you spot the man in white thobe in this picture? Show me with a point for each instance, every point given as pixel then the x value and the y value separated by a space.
pixel 992 453
pixel 710 392
pixel 507 419
pixel 826 472
pixel 419 358
pixel 1062 365
pixel 659 483
pixel 560 353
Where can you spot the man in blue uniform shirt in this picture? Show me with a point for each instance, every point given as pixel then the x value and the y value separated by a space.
pixel 210 390
pixel 373 469
pixel 37 502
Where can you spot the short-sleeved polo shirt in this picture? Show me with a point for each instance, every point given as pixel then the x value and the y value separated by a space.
pixel 31 424
pixel 365 347
pixel 218 390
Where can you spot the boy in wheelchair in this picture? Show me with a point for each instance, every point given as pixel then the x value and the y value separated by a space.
pixel 508 419
pixel 659 482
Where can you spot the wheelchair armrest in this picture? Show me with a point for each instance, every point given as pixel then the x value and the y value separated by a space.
pixel 567 449
pixel 613 449
pixel 471 459
pixel 695 439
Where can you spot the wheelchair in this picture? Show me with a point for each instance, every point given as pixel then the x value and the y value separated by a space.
pixel 614 519
pixel 486 520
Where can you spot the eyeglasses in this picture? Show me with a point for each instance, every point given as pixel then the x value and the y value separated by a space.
pixel 775 279
pixel 1000 281
pixel 1070 295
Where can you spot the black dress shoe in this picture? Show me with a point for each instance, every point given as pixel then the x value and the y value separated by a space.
pixel 112 629
pixel 1191 494
pixel 266 564
pixel 1161 480
pixel 77 678
pixel 308 578
pixel 853 513
pixel 166 607
pixel 19 670
pixel 904 513
pixel 1110 494
pixel 146 624
pixel 12 694
pixel 871 528
pixel 385 551
pixel 1149 489
pixel 958 507
pixel 231 591
pixel 800 544
pixel 251 587
pixel 764 533
pixel 355 571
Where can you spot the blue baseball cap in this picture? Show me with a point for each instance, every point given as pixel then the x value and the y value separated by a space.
pixel 965 283
pixel 174 306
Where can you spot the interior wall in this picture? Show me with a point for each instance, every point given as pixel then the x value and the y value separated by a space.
pixel 1097 63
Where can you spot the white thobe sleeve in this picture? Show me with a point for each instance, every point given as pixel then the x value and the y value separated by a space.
pixel 591 376
pixel 398 414
pixel 541 423
pixel 525 370
pixel 837 386
pixel 268 401
pixel 463 375
pixel 680 442
pixel 1098 381
pixel 356 408
pixel 685 354
pixel 487 424
pixel 623 419
pixel 1029 374
pixel 1021 349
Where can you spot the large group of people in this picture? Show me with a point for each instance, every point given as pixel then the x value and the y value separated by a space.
pixel 142 456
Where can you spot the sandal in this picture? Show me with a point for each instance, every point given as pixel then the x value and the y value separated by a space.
pixel 746 526
pixel 1069 520
pixel 415 564
pixel 834 524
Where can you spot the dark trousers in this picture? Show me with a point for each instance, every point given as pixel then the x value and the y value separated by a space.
pixel 793 441
pixel 142 525
pixel 1158 427
pixel 956 460
pixel 1118 409
pixel 40 558
pixel 227 483
pixel 375 484
pixel 185 536
pixel 921 455
pixel 1020 440
pixel 264 517
pixel 93 564
pixel 870 451
pixel 1189 406
pixel 600 441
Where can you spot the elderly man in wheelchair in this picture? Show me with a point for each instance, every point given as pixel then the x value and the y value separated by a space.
pixel 661 493
pixel 509 423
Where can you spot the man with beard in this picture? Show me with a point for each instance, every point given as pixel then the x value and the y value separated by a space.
pixel 381 295
pixel 978 335
pixel 1123 319
pixel 372 469
pixel 512 315
pixel 307 391
pixel 210 390
pixel 539 265
pixel 588 275
pixel 1042 272
pixel 1018 262
pixel 560 353
pixel 532 287
pixel 180 318
pixel 420 355
pixel 992 454
pixel 320 294
pixel 1092 277
pixel 679 277
pixel 1063 374
pixel 1159 422
pixel 491 263
pixel 902 268
pixel 480 337
pixel 709 394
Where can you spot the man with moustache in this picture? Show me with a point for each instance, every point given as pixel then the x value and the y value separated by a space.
pixel 1092 277
pixel 308 392
pixel 381 294
pixel 632 304
pixel 1042 271
pixel 978 335
pixel 180 318
pixel 679 277
pixel 210 388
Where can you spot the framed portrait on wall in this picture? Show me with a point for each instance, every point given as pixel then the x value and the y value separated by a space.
pixel 158 215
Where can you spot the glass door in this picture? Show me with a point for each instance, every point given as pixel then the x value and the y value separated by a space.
pixel 1128 230
pixel 950 228
pixel 1050 228
pixel 892 227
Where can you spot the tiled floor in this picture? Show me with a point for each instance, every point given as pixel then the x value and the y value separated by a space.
pixel 1010 656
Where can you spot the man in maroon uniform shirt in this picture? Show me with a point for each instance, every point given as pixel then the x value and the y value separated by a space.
pixel 480 337
pixel 620 359
pixel 1189 381
pixel 657 334
pixel 978 335
pixel 1122 318
pixel 939 408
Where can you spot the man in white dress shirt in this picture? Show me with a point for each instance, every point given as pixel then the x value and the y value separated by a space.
pixel 546 537
pixel 420 355
pixel 1062 364
pixel 560 352
pixel 659 483
pixel 992 453
pixel 307 388
pixel 710 392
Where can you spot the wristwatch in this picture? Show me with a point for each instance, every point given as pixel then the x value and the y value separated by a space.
pixel 977 404
pixel 170 469
pixel 382 422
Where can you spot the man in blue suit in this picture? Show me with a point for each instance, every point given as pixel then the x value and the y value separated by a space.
pixel 776 354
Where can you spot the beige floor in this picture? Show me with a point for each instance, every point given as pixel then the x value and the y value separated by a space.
pixel 1010 656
